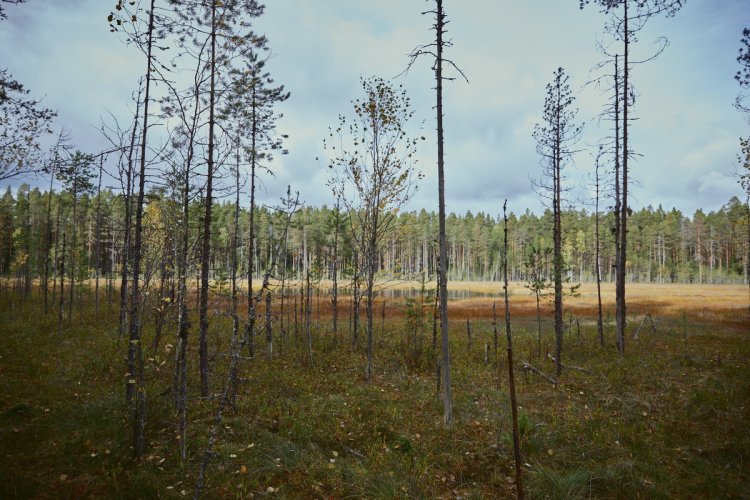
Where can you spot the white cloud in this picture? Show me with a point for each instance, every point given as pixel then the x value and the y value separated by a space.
pixel 686 131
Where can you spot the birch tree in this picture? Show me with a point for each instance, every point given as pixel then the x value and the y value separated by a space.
pixel 375 160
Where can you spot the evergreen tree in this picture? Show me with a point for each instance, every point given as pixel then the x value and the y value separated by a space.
pixel 555 140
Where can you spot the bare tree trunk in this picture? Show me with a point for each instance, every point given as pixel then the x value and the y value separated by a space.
pixel 206 247
pixel 269 327
pixel 371 256
pixel 334 295
pixel 557 235
pixel 98 229
pixel 443 279
pixel 250 326
pixel 127 252
pixel 494 324
pixel 597 261
pixel 61 305
pixel 538 326
pixel 308 318
pixel 621 311
pixel 747 258
pixel 296 320
pixel 73 248
pixel 356 300
pixel 48 237
pixel 161 304
pixel 55 267
pixel 231 389
pixel 436 314
pixel 511 379
pixel 135 349
pixel 179 386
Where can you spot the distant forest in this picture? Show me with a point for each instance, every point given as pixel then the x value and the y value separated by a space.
pixel 664 246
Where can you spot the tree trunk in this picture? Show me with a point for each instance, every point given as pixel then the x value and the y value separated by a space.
pixel 98 229
pixel 48 237
pixel 135 350
pixel 557 234
pixel 61 305
pixel 511 378
pixel 443 280
pixel 597 261
pixel 206 247
pixel 335 294
pixel 127 252
pixel 621 311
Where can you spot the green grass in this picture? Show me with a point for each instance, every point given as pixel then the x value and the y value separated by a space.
pixel 668 420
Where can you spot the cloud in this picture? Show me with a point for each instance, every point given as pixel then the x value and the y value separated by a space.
pixel 686 130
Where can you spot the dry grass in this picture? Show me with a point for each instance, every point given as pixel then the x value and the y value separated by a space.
pixel 669 300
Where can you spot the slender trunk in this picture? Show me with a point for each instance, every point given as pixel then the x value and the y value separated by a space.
pixel 27 249
pixel 98 229
pixel 73 248
pixel 161 304
pixel 369 285
pixel 206 247
pixel 538 326
pixel 308 317
pixel 126 250
pixel 557 233
pixel 443 279
pixel 334 297
pixel 597 263
pixel 621 271
pixel 61 305
pixel 511 378
pixel 234 352
pixel 356 300
pixel 48 237
pixel 56 266
pixel 296 320
pixel 250 327
pixel 179 384
pixel 436 314
pixel 494 324
pixel 747 257
pixel 269 327
pixel 135 350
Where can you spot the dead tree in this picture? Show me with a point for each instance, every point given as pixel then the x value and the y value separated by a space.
pixel 511 379
pixel 434 51
pixel 628 17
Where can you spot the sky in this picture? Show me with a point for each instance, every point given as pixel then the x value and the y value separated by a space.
pixel 687 132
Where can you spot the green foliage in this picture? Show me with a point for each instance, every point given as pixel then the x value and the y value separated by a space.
pixel 654 233
pixel 537 262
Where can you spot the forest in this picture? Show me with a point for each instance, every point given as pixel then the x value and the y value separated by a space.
pixel 169 331
pixel 664 246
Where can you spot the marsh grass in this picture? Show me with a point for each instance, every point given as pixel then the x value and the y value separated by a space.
pixel 667 420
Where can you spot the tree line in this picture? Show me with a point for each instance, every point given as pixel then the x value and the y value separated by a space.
pixel 665 246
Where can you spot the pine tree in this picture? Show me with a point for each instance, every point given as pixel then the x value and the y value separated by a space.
pixel 555 140
pixel 624 27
